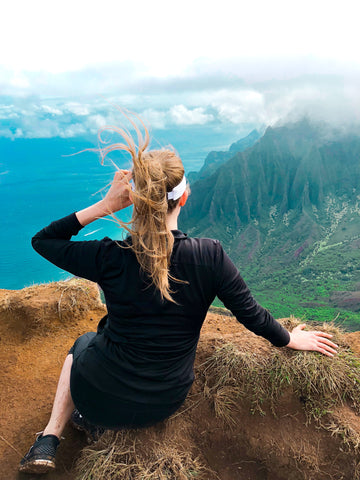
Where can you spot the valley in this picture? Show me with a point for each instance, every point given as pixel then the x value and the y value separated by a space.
pixel 287 211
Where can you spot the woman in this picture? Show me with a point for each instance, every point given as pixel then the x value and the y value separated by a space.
pixel 158 285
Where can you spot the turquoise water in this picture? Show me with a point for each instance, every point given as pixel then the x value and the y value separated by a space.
pixel 39 184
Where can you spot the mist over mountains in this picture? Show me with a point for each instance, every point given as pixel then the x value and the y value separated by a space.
pixel 287 210
pixel 215 159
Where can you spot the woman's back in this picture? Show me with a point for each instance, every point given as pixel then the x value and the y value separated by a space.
pixel 145 347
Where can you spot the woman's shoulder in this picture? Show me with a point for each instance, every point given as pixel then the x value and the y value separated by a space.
pixel 201 241
pixel 200 249
pixel 110 244
pixel 205 242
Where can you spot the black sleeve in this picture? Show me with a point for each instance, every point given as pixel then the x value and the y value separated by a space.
pixel 235 295
pixel 83 259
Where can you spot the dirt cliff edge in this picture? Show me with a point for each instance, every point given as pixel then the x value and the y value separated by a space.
pixel 254 412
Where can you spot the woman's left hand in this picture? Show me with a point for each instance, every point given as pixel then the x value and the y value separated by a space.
pixel 312 340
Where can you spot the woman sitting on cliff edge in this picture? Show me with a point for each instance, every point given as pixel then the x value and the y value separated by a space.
pixel 158 285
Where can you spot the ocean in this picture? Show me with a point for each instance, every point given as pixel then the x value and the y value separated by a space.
pixel 40 182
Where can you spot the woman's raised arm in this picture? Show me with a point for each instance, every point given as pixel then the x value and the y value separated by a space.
pixel 117 198
pixel 82 258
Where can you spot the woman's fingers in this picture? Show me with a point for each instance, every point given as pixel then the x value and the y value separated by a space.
pixel 325 352
pixel 323 334
pixel 324 345
pixel 328 348
pixel 322 339
pixel 300 327
pixel 122 175
pixel 118 196
pixel 312 340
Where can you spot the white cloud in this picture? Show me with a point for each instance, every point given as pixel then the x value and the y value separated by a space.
pixel 19 81
pixel 75 130
pixel 8 115
pixel 189 101
pixel 181 115
pixel 154 118
pixel 197 29
pixel 95 122
pixel 41 129
pixel 8 112
pixel 51 110
pixel 77 108
pixel 7 133
pixel 239 106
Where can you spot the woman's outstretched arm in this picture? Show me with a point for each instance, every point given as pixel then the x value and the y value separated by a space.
pixel 234 293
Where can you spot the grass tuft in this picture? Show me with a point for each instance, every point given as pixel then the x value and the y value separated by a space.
pixel 320 382
pixel 74 294
pixel 121 456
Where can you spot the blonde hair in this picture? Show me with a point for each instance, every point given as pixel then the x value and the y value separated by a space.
pixel 154 173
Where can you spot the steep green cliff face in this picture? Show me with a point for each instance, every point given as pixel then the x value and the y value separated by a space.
pixel 215 159
pixel 287 211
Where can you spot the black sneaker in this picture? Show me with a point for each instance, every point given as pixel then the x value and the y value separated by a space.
pixel 80 423
pixel 41 456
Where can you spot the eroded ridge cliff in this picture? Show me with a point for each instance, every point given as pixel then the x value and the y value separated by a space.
pixel 254 412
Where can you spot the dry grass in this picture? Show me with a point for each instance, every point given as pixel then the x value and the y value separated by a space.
pixel 320 382
pixel 127 456
pixel 225 403
pixel 350 437
pixel 357 471
pixel 306 458
pixel 41 309
pixel 229 374
pixel 74 294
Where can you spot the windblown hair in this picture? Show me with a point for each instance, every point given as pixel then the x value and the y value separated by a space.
pixel 154 173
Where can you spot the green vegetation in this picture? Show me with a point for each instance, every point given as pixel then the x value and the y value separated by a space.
pixel 281 308
pixel 287 211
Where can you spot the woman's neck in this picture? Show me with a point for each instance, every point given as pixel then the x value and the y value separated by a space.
pixel 172 219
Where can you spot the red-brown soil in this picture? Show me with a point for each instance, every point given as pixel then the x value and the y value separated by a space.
pixel 39 324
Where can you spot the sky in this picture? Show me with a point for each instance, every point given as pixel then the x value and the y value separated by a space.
pixel 176 64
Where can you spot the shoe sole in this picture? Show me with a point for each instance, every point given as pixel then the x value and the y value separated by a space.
pixel 37 466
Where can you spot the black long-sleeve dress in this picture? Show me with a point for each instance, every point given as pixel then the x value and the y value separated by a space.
pixel 141 359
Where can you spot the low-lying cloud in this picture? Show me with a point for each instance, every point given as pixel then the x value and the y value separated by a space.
pixel 204 95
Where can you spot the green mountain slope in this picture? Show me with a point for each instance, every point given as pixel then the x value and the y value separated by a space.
pixel 215 159
pixel 287 211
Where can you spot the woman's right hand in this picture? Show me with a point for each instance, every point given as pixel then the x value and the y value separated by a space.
pixel 118 196
pixel 314 340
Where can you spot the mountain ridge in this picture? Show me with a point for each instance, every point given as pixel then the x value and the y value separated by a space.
pixel 280 205
pixel 216 158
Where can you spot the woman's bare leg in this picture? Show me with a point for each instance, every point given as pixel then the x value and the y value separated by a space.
pixel 63 404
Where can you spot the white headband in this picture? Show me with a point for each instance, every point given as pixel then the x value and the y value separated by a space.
pixel 177 191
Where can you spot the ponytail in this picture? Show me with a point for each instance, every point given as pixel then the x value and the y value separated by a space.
pixel 154 174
